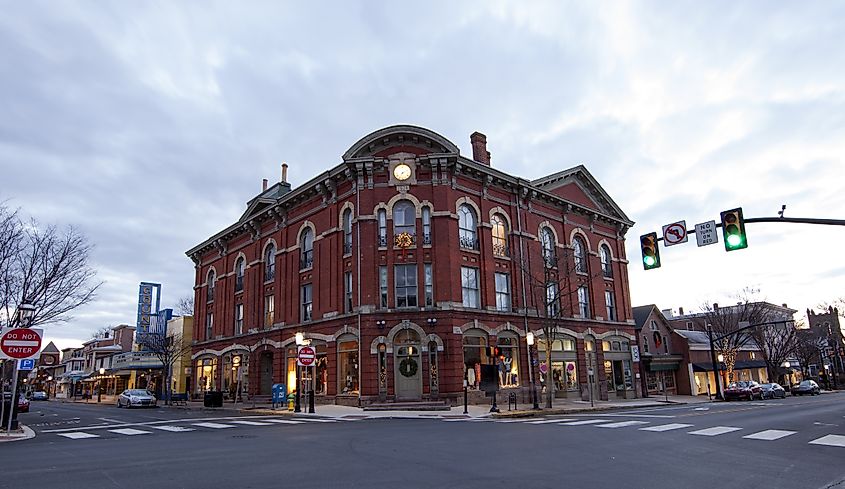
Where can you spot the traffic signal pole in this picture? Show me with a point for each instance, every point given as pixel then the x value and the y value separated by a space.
pixel 791 220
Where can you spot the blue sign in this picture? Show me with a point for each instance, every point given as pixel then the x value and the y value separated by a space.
pixel 26 364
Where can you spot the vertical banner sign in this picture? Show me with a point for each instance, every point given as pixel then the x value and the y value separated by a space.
pixel 148 293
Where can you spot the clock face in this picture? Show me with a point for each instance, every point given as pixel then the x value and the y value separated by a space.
pixel 402 171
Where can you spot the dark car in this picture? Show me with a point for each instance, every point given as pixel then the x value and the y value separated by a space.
pixel 744 389
pixel 773 390
pixel 806 387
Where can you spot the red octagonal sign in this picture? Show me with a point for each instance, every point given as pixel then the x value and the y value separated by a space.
pixel 20 343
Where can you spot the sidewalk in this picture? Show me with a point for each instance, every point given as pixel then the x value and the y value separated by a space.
pixel 24 433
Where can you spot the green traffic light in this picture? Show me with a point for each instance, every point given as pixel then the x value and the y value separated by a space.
pixel 649 261
pixel 734 240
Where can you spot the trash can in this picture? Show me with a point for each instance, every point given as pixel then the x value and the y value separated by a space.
pixel 213 399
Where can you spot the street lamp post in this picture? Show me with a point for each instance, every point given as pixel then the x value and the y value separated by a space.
pixel 529 338
pixel 100 385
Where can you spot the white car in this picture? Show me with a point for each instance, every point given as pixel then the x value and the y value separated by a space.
pixel 136 397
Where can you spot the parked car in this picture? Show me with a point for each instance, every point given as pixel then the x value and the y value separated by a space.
pixel 136 397
pixel 806 387
pixel 744 389
pixel 39 396
pixel 773 390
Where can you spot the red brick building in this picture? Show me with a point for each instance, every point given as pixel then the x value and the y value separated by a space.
pixel 402 266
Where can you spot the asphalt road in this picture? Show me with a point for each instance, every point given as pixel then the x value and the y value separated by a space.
pixel 791 443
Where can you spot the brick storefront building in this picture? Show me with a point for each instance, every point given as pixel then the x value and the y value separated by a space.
pixel 402 266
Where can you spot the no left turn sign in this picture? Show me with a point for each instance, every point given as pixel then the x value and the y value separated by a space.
pixel 675 233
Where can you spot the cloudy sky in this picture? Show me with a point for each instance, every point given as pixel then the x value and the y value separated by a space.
pixel 150 124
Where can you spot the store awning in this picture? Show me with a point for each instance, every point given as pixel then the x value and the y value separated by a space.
pixel 708 367
pixel 663 363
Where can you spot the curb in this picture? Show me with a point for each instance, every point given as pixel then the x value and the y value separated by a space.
pixel 554 411
pixel 26 435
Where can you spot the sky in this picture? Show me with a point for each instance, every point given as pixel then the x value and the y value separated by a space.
pixel 149 125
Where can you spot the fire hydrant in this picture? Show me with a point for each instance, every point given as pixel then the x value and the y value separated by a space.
pixel 290 403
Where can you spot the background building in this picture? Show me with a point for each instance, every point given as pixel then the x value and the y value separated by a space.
pixel 408 267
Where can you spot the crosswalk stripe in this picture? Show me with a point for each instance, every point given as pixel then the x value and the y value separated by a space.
pixel 249 423
pixel 78 435
pixel 622 424
pixel 715 431
pixel 173 429
pixel 283 421
pixel 584 421
pixel 769 435
pixel 666 427
pixel 545 421
pixel 319 420
pixel 215 426
pixel 830 440
pixel 130 431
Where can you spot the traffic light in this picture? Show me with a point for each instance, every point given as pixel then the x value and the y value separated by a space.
pixel 733 230
pixel 651 253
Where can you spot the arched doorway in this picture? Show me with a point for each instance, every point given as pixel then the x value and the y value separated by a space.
pixel 265 365
pixel 408 374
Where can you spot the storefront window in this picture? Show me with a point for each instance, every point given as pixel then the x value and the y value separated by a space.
pixel 347 364
pixel 563 368
pixel 206 374
pixel 475 354
pixel 508 361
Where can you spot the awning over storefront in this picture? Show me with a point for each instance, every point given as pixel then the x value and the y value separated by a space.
pixel 708 367
pixel 663 363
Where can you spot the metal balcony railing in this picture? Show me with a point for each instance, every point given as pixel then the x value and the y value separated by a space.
pixel 469 242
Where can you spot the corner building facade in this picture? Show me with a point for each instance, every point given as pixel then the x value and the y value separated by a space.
pixel 409 266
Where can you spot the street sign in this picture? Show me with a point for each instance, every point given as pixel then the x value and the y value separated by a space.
pixel 675 233
pixel 20 343
pixel 28 364
pixel 705 233
pixel 306 356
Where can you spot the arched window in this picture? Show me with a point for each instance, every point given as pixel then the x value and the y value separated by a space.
pixel 547 240
pixel 500 236
pixel 467 227
pixel 210 284
pixel 347 231
pixel 606 269
pixel 306 249
pixel 270 263
pixel 580 252
pixel 239 275
pixel 426 222
pixel 382 227
pixel 404 218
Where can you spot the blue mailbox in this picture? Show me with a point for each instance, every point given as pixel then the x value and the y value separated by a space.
pixel 279 393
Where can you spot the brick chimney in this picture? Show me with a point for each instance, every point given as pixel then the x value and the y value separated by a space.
pixel 479 148
pixel 284 172
pixel 264 185
pixel 680 311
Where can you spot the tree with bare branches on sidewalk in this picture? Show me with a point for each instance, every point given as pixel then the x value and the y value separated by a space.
pixel 168 349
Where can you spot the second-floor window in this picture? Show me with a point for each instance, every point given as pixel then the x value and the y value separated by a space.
pixel 500 236
pixel 306 298
pixel 606 268
pixel 270 263
pixel 552 300
pixel 579 249
pixel 469 287
pixel 547 241
pixel 306 249
pixel 269 310
pixel 347 231
pixel 426 223
pixel 347 291
pixel 611 305
pixel 584 301
pixel 467 227
pixel 382 227
pixel 503 292
pixel 382 285
pixel 209 325
pixel 645 343
pixel 404 218
pixel 239 319
pixel 405 280
pixel 429 285
pixel 240 266
pixel 212 279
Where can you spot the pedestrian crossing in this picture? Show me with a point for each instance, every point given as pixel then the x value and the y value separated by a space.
pixel 831 440
pixel 185 426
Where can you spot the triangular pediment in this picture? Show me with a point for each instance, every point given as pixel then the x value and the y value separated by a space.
pixel 579 186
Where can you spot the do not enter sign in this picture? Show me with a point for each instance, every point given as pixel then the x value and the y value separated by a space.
pixel 20 343
pixel 306 356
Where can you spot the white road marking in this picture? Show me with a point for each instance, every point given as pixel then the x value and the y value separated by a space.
pixel 769 435
pixel 622 424
pixel 318 420
pixel 830 440
pixel 585 421
pixel 78 435
pixel 702 409
pixel 666 427
pixel 283 421
pixel 130 431
pixel 521 420
pixel 715 431
pixel 545 421
pixel 638 415
pixel 249 423
pixel 109 420
pixel 173 429
pixel 216 426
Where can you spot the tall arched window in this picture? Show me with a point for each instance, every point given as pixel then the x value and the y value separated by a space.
pixel 426 222
pixel 306 249
pixel 467 224
pixel 404 218
pixel 270 263
pixel 210 284
pixel 606 268
pixel 347 231
pixel 547 240
pixel 239 275
pixel 580 252
pixel 500 236
pixel 382 227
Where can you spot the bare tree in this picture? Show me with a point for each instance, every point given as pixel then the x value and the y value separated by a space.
pixel 167 348
pixel 807 348
pixel 725 322
pixel 185 306
pixel 45 267
pixel 103 332
pixel 778 344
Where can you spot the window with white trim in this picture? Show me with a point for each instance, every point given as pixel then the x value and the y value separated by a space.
pixel 239 319
pixel 405 285
pixel 606 262
pixel 467 224
pixel 580 252
pixel 469 287
pixel 611 305
pixel 306 302
pixel 503 292
pixel 584 301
